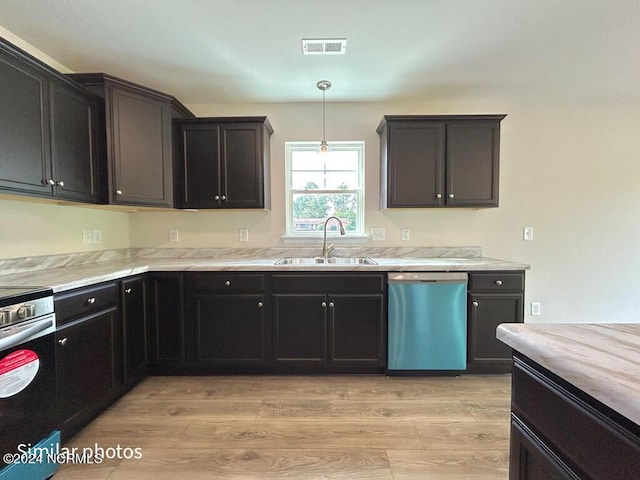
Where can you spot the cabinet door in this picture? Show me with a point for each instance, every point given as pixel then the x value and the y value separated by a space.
pixel 84 359
pixel 230 330
pixel 25 163
pixel 356 330
pixel 134 315
pixel 416 162
pixel 473 150
pixel 486 312
pixel 300 330
pixel 141 149
pixel 531 459
pixel 73 145
pixel 241 166
pixel 199 172
pixel 167 336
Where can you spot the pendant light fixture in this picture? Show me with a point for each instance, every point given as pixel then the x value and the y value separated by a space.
pixel 323 85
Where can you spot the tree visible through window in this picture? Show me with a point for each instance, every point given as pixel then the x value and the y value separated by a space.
pixel 321 185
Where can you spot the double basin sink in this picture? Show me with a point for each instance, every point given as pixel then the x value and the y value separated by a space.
pixel 325 261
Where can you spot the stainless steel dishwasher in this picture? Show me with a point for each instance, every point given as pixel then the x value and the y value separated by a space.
pixel 427 322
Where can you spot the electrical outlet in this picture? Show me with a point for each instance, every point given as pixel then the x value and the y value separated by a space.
pixel 243 234
pixel 173 235
pixel 87 237
pixel 97 236
pixel 377 233
pixel 527 233
pixel 405 234
pixel 535 309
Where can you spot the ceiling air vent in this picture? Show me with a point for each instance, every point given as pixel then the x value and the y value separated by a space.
pixel 324 46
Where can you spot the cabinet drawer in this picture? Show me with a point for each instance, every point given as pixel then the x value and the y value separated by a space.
pixel 83 301
pixel 226 283
pixel 332 283
pixel 576 431
pixel 496 281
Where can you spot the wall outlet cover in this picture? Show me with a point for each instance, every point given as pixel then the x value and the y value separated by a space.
pixel 377 233
pixel 173 235
pixel 243 234
pixel 527 233
pixel 405 234
pixel 97 236
pixel 87 237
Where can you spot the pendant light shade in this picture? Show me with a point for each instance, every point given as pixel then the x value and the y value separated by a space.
pixel 324 85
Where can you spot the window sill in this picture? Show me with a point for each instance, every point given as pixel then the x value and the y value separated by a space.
pixel 333 236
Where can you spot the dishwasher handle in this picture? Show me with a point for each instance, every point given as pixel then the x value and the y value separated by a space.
pixel 427 277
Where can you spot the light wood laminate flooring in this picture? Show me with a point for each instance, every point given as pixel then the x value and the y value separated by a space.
pixel 304 427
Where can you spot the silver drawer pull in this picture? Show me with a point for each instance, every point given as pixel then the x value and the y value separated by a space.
pixel 324 304
pixel 227 283
pixel 331 304
pixel 91 300
pixel 498 282
pixel 475 303
pixel 63 341
pixel 260 304
pixel 127 290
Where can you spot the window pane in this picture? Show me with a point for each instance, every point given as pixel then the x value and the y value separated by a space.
pixel 342 181
pixel 310 211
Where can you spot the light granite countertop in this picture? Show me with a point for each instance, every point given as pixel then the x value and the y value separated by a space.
pixel 602 360
pixel 66 277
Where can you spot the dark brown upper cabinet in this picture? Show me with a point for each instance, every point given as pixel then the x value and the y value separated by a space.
pixel 47 131
pixel 223 162
pixel 134 141
pixel 439 160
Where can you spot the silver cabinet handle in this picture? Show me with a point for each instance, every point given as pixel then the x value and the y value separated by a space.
pixel 451 195
pixel 260 304
pixel 324 304
pixel 127 290
pixel 331 304
pixel 91 300
pixel 475 303
pixel 217 197
pixel 118 192
pixel 49 181
pixel 498 282
pixel 60 183
pixel 438 195
pixel 227 283
pixel 223 198
pixel 63 341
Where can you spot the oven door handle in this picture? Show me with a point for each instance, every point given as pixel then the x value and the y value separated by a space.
pixel 11 339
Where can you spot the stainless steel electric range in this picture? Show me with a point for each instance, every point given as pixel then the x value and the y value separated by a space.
pixel 29 440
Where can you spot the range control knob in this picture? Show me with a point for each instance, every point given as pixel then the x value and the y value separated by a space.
pixel 26 311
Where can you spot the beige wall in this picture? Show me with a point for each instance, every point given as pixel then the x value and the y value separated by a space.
pixel 570 171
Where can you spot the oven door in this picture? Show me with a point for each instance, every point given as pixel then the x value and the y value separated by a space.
pixel 27 397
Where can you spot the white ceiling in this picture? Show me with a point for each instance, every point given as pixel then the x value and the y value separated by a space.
pixel 249 51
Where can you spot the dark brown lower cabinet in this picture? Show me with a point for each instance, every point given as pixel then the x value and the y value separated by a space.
pixel 167 328
pixel 329 323
pixel 560 432
pixel 86 355
pixel 134 317
pixel 493 298
pixel 230 330
pixel 227 313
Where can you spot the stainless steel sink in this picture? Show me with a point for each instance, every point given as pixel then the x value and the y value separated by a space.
pixel 325 261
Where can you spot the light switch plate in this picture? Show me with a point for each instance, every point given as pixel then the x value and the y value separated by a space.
pixel 243 234
pixel 173 235
pixel 97 236
pixel 535 309
pixel 405 234
pixel 527 233
pixel 87 237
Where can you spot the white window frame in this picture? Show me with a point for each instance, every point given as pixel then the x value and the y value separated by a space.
pixel 357 146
